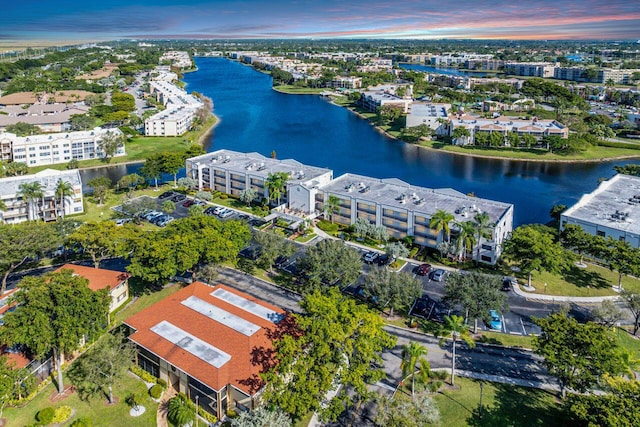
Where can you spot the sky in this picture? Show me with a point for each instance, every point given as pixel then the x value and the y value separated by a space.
pixel 410 19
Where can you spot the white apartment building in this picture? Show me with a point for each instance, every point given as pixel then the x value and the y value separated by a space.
pixel 178 58
pixel 54 148
pixel 531 69
pixel 49 207
pixel 231 172
pixel 180 110
pixel 504 125
pixel 432 115
pixel 406 210
pixel 379 96
pixel 611 210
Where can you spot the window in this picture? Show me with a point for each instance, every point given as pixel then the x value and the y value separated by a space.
pixel 621 238
pixel 487 247
pixel 600 233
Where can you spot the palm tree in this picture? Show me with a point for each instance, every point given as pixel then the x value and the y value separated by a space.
pixel 275 184
pixel 466 238
pixel 180 410
pixel 440 222
pixel 454 325
pixel 31 192
pixel 332 206
pixel 64 189
pixel 3 208
pixel 412 354
pixel 483 228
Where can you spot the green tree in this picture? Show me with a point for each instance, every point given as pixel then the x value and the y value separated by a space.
pixel 130 182
pixel 103 240
pixel 23 129
pixel 617 406
pixel 418 411
pixel 556 211
pixel 455 327
pixel 109 144
pixel 64 190
pixel 54 313
pixel 414 354
pixel 96 372
pixel 461 133
pixel 606 314
pixel 388 114
pixel 81 122
pixel 123 102
pixel 477 294
pixel 100 186
pixel 440 222
pixel 577 354
pixel 21 242
pixel 262 417
pixel 534 250
pixel 575 238
pixel 203 195
pixel 394 290
pixel 196 210
pixel 271 245
pixel 628 169
pixel 341 342
pixel 632 303
pixel 466 238
pixel 181 411
pixel 484 228
pixel 135 208
pixel 330 261
pixel 275 184
pixel 332 206
pixel 172 163
pixel 622 258
pixel 152 168
pixel 168 206
pixel 247 195
pixel 31 192
pixel 16 169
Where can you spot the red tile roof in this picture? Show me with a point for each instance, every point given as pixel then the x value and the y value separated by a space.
pixel 98 278
pixel 4 300
pixel 249 354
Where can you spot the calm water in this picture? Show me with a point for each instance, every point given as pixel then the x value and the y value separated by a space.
pixel 313 131
pixel 439 70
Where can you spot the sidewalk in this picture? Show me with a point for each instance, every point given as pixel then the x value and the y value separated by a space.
pixel 557 298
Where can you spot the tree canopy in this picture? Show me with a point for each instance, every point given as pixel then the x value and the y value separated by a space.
pixel 397 291
pixel 330 261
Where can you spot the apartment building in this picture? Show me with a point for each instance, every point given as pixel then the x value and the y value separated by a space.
pixel 179 114
pixel 530 69
pixel 379 96
pixel 231 172
pixel 406 210
pixel 434 116
pixel 346 82
pixel 55 148
pixel 48 207
pixel 177 58
pixel 611 210
pixel 204 341
pixel 449 60
pixel 48 117
pixel 504 125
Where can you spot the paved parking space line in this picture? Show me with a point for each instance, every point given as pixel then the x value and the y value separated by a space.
pixel 524 331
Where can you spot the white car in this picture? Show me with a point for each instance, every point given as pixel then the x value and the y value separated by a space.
pixel 226 213
pixel 438 275
pixel 217 210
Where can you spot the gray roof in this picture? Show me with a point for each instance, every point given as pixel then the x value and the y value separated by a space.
pixel 396 193
pixel 40 114
pixel 614 204
pixel 48 178
pixel 258 165
pixel 247 305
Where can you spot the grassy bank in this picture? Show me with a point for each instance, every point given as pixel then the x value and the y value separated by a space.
pixel 140 147
pixel 295 90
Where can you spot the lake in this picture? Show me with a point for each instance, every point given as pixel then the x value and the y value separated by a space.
pixel 313 131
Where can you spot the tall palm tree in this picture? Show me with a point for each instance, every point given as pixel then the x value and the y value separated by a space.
pixel 412 354
pixel 275 184
pixel 466 238
pixel 454 326
pixel 483 227
pixel 31 192
pixel 440 222
pixel 332 206
pixel 64 189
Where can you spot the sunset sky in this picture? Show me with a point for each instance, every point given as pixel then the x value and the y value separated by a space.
pixel 424 19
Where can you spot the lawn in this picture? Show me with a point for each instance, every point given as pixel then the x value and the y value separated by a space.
pixel 506 340
pixel 295 90
pixel 628 342
pixel 581 282
pixel 95 409
pixel 503 405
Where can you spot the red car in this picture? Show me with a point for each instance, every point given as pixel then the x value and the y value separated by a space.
pixel 188 203
pixel 423 269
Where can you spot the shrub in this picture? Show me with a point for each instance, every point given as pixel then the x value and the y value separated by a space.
pixel 207 416
pixel 231 413
pixel 62 414
pixel 156 391
pixel 224 196
pixel 146 377
pixel 45 415
pixel 81 422
pixel 162 383
pixel 327 226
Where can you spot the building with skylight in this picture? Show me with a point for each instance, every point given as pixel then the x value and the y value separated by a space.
pixel 204 341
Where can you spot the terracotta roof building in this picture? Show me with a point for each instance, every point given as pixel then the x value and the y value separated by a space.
pixel 208 342
pixel 116 281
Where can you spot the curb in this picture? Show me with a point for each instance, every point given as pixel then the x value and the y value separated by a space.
pixel 558 299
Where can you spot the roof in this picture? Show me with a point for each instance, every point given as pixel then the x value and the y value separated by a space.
pixel 98 277
pixel 10 186
pixel 20 98
pixel 4 301
pixel 210 333
pixel 614 204
pixel 40 114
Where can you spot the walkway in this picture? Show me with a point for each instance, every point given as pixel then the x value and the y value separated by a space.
pixel 556 298
pixel 161 416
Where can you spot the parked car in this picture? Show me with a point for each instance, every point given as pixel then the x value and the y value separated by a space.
pixel 164 222
pixel 122 221
pixel 201 203
pixel 226 213
pixel 496 321
pixel 423 269
pixel 370 257
pixel 217 210
pixel 178 198
pixel 438 275
pixel 385 259
pixel 507 283
pixel 209 211
pixel 188 203
pixel 166 195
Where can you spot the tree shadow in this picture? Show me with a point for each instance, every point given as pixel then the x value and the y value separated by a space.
pixel 584 278
pixel 519 406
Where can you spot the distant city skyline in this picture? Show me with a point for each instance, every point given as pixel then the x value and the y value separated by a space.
pixel 410 19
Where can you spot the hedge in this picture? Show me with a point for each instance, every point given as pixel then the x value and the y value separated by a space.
pixel 62 414
pixel 156 391
pixel 45 415
pixel 146 377
pixel 616 144
pixel 207 416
